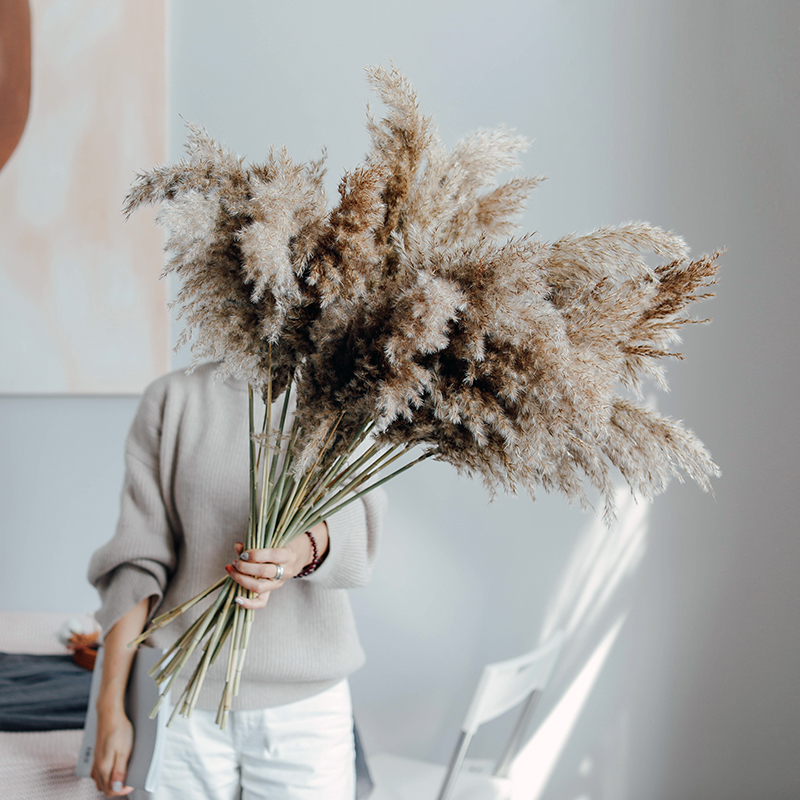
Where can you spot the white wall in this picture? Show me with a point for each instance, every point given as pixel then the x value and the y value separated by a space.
pixel 684 114
pixel 61 470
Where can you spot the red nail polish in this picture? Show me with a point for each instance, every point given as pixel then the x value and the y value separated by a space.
pixel 229 568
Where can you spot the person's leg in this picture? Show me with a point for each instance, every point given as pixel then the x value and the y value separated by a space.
pixel 199 760
pixel 300 751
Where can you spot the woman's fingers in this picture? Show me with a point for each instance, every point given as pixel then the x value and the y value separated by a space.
pixel 109 777
pixel 259 601
pixel 271 565
pixel 118 787
pixel 269 555
pixel 253 582
pixel 258 582
pixel 261 571
pixel 270 571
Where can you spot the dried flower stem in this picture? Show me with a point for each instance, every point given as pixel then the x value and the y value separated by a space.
pixel 286 506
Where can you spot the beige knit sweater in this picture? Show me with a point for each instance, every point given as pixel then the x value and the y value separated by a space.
pixel 185 503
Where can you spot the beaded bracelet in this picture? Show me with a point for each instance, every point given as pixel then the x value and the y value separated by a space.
pixel 314 563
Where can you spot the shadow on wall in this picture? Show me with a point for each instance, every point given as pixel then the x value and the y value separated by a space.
pixel 590 605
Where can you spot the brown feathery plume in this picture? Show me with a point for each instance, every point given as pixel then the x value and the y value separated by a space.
pixel 346 256
pixel 399 142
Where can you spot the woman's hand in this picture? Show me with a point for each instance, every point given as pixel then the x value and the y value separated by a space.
pixel 114 740
pixel 256 570
pixel 112 751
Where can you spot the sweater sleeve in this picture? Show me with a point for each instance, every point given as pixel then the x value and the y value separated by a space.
pixel 353 535
pixel 138 561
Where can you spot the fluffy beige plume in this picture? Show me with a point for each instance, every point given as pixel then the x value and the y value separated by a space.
pixel 406 308
pixel 285 200
pixel 403 314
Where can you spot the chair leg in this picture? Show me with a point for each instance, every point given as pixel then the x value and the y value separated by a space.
pixel 454 766
pixel 514 741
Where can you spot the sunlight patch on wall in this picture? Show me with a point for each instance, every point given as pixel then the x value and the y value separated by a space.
pixel 601 559
pixel 536 761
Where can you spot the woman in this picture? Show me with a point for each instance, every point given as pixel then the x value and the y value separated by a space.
pixel 184 513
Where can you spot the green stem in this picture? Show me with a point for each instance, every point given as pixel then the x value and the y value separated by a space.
pixel 281 425
pixel 205 663
pixel 328 500
pixel 165 619
pixel 328 509
pixel 253 470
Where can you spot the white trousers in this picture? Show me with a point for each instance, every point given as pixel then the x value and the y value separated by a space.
pixel 298 751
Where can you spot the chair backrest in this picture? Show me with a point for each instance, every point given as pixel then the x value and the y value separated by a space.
pixel 505 684
pixel 502 686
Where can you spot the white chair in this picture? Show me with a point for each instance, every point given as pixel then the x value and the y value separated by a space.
pixel 502 686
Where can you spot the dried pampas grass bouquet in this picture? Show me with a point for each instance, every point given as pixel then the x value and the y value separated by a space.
pixel 411 324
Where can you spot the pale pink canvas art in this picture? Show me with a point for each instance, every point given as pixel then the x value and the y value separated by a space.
pixel 81 307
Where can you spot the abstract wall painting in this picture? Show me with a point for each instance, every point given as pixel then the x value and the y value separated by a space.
pixel 82 110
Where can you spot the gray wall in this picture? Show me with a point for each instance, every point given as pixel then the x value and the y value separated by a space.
pixel 678 680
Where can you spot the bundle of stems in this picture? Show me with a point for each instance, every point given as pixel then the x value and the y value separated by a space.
pixel 287 506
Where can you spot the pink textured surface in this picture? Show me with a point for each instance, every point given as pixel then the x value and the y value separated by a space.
pixel 33 631
pixel 39 766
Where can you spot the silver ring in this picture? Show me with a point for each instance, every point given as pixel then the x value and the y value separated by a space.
pixel 278 574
